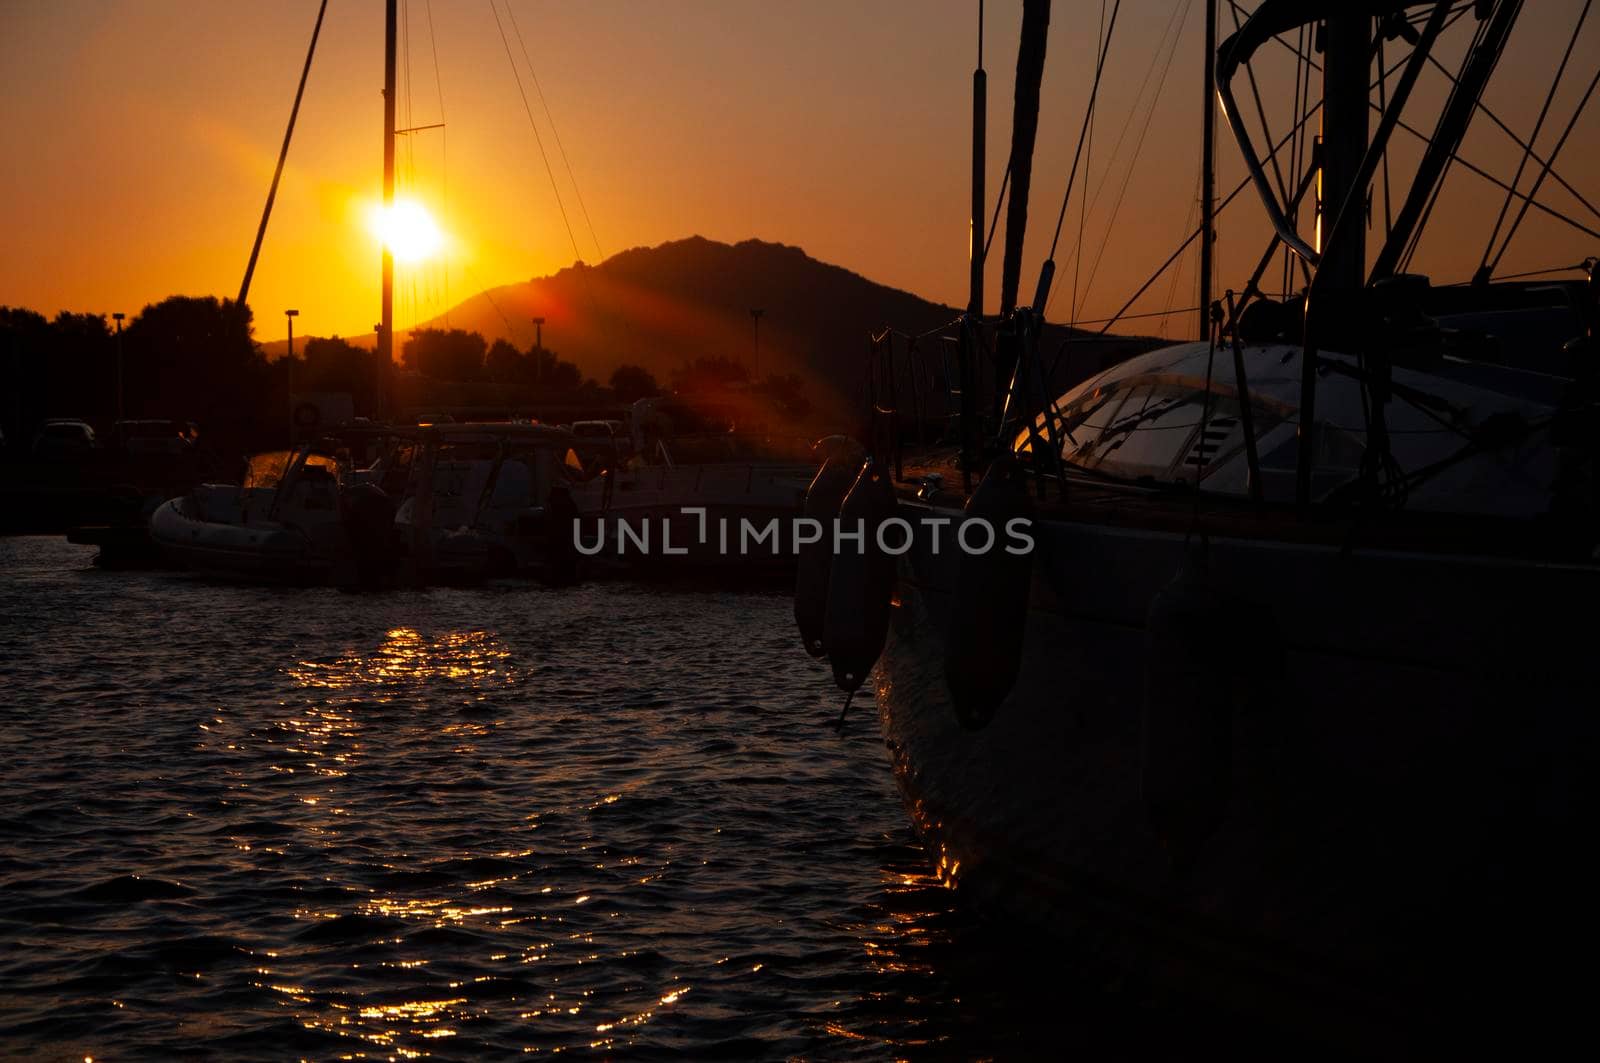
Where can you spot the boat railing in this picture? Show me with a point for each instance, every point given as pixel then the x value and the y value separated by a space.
pixel 893 355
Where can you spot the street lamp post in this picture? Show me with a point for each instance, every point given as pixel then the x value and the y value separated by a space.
pixel 538 351
pixel 120 411
pixel 378 402
pixel 288 376
pixel 755 315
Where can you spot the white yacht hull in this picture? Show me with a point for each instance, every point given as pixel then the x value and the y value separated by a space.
pixel 1410 755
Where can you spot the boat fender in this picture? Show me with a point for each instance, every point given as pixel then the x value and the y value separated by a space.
pixel 860 580
pixel 1186 727
pixel 822 501
pixel 989 614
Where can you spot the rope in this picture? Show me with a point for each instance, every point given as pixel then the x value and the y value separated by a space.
pixel 1421 223
pixel 1545 172
pixel 1172 32
pixel 576 191
pixel 1138 148
pixel 994 222
pixel 537 139
pixel 1566 186
pixel 1083 203
pixel 444 155
pixel 838 725
pixel 283 154
pixel 1195 235
pixel 1088 117
pixel 1524 197
pixel 1533 138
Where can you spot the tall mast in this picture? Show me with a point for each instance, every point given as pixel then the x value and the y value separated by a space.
pixel 1208 170
pixel 975 235
pixel 386 328
pixel 1346 100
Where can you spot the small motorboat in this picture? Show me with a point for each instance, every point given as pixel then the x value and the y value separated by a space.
pixel 300 516
pixel 488 500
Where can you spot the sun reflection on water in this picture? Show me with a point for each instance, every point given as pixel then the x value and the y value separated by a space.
pixel 409 660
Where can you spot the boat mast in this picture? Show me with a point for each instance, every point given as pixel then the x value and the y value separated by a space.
pixel 386 328
pixel 1341 268
pixel 1024 130
pixel 975 230
pixel 1346 101
pixel 1208 170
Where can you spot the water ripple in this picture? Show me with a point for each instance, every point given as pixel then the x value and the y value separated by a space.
pixel 263 823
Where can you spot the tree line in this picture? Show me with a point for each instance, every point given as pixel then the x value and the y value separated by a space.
pixel 196 359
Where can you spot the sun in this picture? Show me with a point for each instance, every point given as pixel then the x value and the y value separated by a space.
pixel 408 230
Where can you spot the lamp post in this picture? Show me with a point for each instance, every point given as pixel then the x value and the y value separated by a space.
pixel 538 333
pixel 378 368
pixel 288 375
pixel 118 319
pixel 755 315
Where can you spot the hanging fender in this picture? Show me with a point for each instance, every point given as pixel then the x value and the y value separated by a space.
pixel 822 502
pixel 989 613
pixel 860 580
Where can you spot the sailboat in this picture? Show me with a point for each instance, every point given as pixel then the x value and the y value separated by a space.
pixel 1290 706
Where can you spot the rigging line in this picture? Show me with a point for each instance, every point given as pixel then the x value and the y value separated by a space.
pixel 1138 99
pixel 1519 142
pixel 994 222
pixel 1133 114
pixel 1547 271
pixel 1297 163
pixel 1383 105
pixel 1582 105
pixel 1083 220
pixel 534 126
pixel 1177 274
pixel 1498 183
pixel 511 329
pixel 1533 138
pixel 405 82
pixel 1137 149
pixel 444 155
pixel 1083 202
pixel 1421 222
pixel 1261 110
pixel 560 148
pixel 1195 234
pixel 283 154
pixel 1088 115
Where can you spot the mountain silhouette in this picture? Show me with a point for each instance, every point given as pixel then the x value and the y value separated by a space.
pixel 660 307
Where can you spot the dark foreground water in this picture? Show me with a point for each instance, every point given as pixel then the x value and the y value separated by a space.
pixel 611 819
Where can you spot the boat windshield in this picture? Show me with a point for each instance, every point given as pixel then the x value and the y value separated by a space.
pixel 266 470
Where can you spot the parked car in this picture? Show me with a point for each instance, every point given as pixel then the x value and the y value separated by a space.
pixel 63 438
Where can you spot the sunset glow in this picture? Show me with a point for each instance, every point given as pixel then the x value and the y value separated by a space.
pixel 408 230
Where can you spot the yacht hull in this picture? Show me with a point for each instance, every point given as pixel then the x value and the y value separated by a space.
pixel 1409 760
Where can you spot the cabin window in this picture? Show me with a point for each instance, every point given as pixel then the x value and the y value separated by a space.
pixel 1149 429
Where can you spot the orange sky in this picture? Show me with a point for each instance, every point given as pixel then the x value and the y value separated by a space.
pixel 139 138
